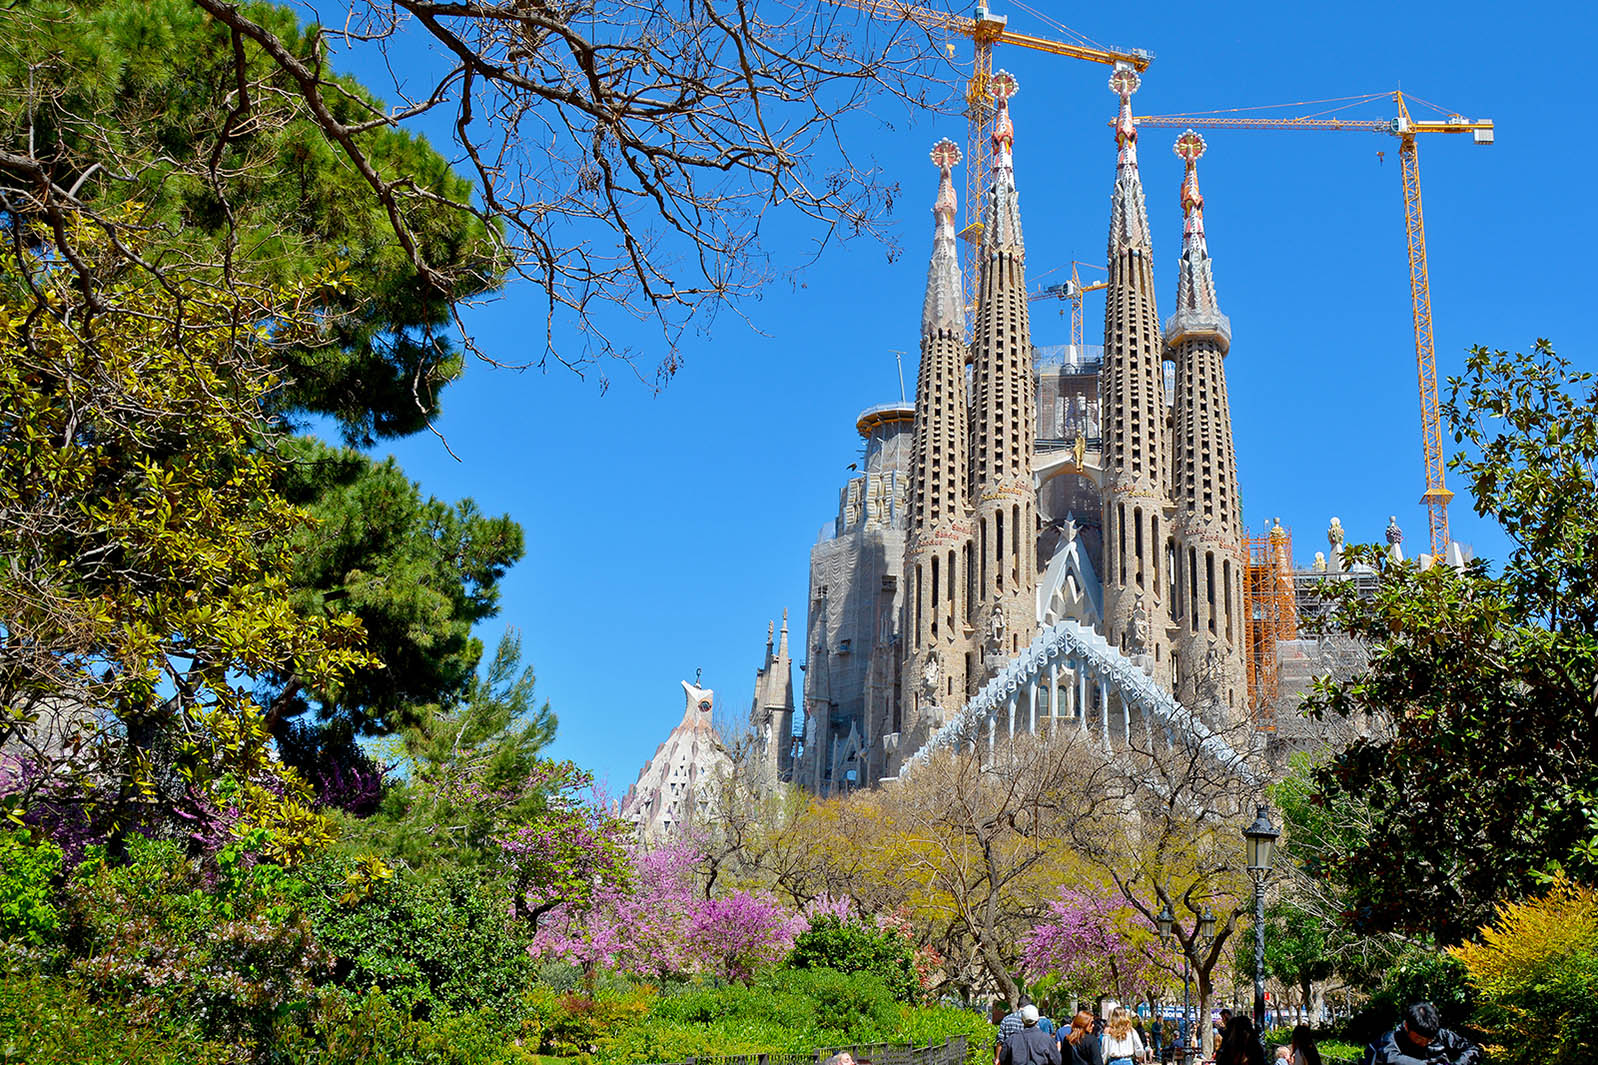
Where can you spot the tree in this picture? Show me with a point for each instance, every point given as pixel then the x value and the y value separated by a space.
pixel 1481 780
pixel 1085 941
pixel 145 552
pixel 158 106
pixel 1297 948
pixel 622 155
pixel 418 573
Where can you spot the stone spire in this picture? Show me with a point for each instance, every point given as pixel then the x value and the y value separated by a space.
pixel 1208 608
pixel 1129 216
pixel 933 669
pixel 1004 607
pixel 1136 528
pixel 772 712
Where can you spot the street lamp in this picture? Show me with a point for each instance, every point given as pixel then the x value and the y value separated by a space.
pixel 1165 921
pixel 1261 839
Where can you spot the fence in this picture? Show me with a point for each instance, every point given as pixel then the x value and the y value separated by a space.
pixel 952 1051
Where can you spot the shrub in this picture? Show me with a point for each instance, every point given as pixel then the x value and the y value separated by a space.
pixel 54 1018
pixel 350 1030
pixel 151 937
pixel 27 869
pixel 571 1023
pixel 1418 974
pixel 1535 972
pixel 444 945
pixel 834 942
pixel 786 1010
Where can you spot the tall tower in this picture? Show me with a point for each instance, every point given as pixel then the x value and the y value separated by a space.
pixel 1132 408
pixel 1208 608
pixel 771 715
pixel 1004 601
pixel 937 646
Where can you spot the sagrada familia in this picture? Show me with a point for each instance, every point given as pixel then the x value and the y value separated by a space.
pixel 1019 490
pixel 1076 494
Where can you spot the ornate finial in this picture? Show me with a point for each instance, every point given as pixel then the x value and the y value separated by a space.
pixel 1001 87
pixel 1124 82
pixel 1189 146
pixel 1395 535
pixel 945 154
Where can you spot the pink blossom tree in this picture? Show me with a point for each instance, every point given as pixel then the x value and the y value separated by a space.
pixel 1088 942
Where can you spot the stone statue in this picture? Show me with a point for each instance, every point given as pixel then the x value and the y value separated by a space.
pixel 993 642
pixel 931 674
pixel 1395 535
pixel 1334 535
pixel 1079 450
pixel 1140 627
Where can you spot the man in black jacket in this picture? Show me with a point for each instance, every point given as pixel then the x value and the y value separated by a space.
pixel 1422 1040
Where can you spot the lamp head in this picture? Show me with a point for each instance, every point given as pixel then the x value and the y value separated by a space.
pixel 1165 922
pixel 1261 838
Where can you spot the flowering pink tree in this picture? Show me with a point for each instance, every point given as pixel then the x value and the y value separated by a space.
pixel 735 935
pixel 659 924
pixel 1087 942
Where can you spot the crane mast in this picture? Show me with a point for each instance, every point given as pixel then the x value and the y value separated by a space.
pixel 1405 128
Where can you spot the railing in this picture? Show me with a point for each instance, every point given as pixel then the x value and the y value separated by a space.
pixel 952 1051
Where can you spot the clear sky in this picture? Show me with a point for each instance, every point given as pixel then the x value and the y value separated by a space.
pixel 665 530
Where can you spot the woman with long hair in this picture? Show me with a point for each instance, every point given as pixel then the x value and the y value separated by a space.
pixel 1122 1044
pixel 1078 1044
pixel 1240 1044
pixel 1303 1047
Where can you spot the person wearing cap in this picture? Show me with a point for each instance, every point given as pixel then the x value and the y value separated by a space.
pixel 1422 1040
pixel 1030 1045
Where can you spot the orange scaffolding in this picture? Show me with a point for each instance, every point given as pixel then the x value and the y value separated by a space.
pixel 1272 615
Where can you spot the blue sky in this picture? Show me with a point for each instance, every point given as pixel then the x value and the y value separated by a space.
pixel 664 530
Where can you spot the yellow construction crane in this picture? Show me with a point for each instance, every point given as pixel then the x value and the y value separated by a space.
pixel 986 30
pixel 1072 290
pixel 1405 128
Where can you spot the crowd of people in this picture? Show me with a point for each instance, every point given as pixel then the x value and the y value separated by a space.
pixel 1026 1037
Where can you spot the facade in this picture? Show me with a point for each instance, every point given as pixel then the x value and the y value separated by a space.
pixel 1035 485
pixel 676 785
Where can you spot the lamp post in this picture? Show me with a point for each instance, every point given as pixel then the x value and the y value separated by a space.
pixel 1261 840
pixel 1166 922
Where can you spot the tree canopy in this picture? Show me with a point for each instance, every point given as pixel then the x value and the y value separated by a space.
pixel 1481 779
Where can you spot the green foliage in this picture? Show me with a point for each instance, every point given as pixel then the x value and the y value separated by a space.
pixel 375 1028
pixel 468 774
pixel 571 1023
pixel 145 544
pixel 791 1009
pixel 1333 1051
pixel 56 1018
pixel 28 913
pixel 417 572
pixel 1454 812
pixel 152 936
pixel 135 99
pixel 1296 946
pixel 850 946
pixel 432 946
pixel 1419 974
pixel 1535 972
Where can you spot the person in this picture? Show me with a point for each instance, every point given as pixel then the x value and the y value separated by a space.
pixel 1011 1024
pixel 843 1057
pixel 1122 1044
pixel 1421 1038
pixel 1029 1045
pixel 1079 1046
pixel 1302 1049
pixel 1240 1044
pixel 1157 1037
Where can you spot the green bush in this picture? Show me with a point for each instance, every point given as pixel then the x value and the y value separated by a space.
pixel 54 1018
pixel 570 1023
pixel 444 945
pixel 27 871
pixel 851 947
pixel 153 939
pixel 1417 975
pixel 1535 970
pixel 1333 1051
pixel 350 1030
pixel 786 1010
